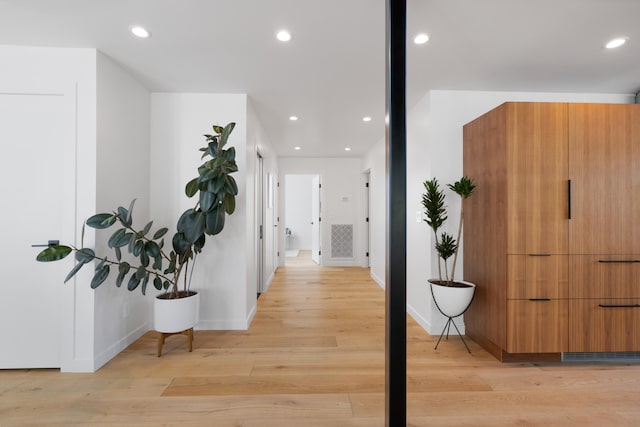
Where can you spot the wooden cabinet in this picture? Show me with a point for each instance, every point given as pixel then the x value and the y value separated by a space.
pixel 550 227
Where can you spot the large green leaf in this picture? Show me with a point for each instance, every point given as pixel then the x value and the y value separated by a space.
pixel 181 245
pixel 194 227
pixel 146 229
pixel 183 218
pixel 85 255
pixel 191 188
pixel 217 184
pixel 133 282
pixel 144 259
pixel 123 269
pixel 120 238
pixel 152 249
pixel 160 233
pixel 54 253
pixel 144 284
pixel 224 135
pixel 217 129
pixel 100 276
pixel 229 167
pixel 230 154
pixel 229 203
pixel 73 271
pixel 102 220
pixel 138 247
pixel 215 220
pixel 231 186
pixel 206 200
pixel 157 283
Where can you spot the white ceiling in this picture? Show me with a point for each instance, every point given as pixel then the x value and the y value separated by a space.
pixel 332 73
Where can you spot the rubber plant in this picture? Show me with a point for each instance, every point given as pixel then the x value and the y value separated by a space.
pixel 433 201
pixel 165 268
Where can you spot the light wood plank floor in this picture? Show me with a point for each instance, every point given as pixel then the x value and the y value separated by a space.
pixel 314 357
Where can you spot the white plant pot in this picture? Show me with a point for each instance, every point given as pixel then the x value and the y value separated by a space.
pixel 176 315
pixel 452 301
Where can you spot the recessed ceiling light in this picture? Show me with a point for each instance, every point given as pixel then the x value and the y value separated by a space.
pixel 296 148
pixel 293 118
pixel 138 31
pixel 616 43
pixel 421 38
pixel 347 149
pixel 283 36
pixel 366 119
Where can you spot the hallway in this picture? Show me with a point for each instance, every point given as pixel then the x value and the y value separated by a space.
pixel 314 357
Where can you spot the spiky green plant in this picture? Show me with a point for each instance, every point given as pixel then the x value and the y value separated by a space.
pixel 217 191
pixel 433 201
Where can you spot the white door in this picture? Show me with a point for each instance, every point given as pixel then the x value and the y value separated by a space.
pixel 315 219
pixel 260 223
pixel 36 177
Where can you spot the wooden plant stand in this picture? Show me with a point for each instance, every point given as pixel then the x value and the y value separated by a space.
pixel 163 335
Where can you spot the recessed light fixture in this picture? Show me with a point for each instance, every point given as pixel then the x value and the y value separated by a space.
pixel 616 43
pixel 283 36
pixel 347 148
pixel 421 38
pixel 366 119
pixel 296 148
pixel 139 31
pixel 293 118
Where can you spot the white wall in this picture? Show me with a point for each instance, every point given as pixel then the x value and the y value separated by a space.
pixel 341 198
pixel 123 125
pixel 298 210
pixel 434 148
pixel 374 162
pixel 225 270
pixel 258 142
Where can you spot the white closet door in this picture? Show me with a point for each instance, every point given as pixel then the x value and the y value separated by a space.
pixel 36 185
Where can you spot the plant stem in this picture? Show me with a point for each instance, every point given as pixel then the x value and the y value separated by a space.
pixel 455 255
pixel 439 268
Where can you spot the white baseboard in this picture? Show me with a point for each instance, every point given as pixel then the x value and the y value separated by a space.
pixel 341 263
pixel 113 350
pixel 378 280
pixel 435 326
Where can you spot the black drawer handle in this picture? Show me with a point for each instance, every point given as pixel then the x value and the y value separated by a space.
pixel 619 306
pixel 623 261
pixel 539 254
pixel 539 299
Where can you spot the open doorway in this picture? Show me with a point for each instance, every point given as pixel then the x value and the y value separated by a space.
pixel 302 219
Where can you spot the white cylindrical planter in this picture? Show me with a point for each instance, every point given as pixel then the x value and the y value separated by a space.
pixel 177 314
pixel 452 301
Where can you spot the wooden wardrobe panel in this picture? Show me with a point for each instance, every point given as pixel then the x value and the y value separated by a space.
pixel 485 241
pixel 604 276
pixel 537 326
pixel 537 177
pixel 604 169
pixel 604 325
pixel 537 276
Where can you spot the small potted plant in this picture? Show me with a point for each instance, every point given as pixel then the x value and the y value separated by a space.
pixel 451 297
pixel 175 311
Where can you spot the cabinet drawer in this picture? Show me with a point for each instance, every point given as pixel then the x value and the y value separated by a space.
pixel 537 326
pixel 532 276
pixel 604 325
pixel 604 276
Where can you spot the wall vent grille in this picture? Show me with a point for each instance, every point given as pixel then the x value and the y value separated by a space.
pixel 341 240
pixel 631 356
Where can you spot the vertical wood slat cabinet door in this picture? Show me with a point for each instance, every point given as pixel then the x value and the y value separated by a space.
pixel 604 141
pixel 537 177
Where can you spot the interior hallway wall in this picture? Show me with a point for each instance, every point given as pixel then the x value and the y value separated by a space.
pixel 178 122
